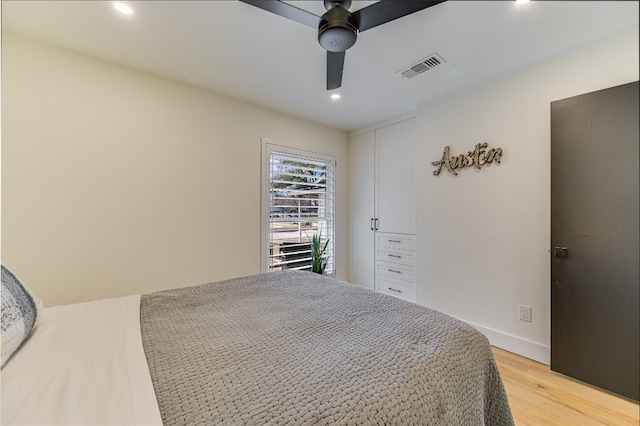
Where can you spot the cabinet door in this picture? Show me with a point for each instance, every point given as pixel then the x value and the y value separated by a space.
pixel 395 177
pixel 361 210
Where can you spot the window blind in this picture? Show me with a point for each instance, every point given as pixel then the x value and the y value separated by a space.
pixel 300 205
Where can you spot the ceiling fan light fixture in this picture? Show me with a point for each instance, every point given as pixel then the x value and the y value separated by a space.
pixel 337 31
pixel 338 28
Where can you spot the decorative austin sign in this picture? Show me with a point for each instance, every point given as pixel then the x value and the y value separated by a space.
pixel 476 158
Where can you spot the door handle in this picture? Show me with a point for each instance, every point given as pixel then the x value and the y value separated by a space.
pixel 560 252
pixel 376 222
pixel 372 224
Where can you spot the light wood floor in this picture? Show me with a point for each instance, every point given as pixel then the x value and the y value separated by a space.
pixel 539 396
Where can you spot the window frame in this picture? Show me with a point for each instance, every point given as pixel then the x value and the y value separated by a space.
pixel 268 147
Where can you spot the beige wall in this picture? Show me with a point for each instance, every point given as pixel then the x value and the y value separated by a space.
pixel 119 182
pixel 483 237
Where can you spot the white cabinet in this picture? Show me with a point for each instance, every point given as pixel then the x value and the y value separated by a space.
pixel 395 153
pixel 395 264
pixel 382 209
pixel 361 209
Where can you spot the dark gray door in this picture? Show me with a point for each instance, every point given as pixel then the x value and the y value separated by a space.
pixel 594 237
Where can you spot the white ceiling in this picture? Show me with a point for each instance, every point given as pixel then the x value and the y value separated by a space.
pixel 239 50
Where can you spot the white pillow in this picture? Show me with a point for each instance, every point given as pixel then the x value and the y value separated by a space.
pixel 20 310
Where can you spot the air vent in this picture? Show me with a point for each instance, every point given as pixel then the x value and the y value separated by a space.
pixel 426 64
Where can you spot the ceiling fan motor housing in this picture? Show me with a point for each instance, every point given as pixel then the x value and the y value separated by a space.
pixel 338 30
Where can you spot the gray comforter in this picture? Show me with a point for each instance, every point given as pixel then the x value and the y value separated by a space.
pixel 298 348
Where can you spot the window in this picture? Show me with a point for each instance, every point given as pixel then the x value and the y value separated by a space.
pixel 298 202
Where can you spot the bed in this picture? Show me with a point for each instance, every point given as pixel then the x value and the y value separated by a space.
pixel 286 347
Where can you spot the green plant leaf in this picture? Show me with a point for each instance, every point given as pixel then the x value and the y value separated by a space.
pixel 318 259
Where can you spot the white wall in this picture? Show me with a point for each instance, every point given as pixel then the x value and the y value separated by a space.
pixel 118 182
pixel 483 236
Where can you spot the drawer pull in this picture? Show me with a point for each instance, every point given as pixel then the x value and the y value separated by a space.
pixel 394 271
pixel 395 255
pixel 395 241
pixel 393 289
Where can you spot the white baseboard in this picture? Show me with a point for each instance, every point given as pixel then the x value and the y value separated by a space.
pixel 517 345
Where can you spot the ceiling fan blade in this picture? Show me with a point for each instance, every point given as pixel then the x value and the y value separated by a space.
pixel 287 11
pixel 335 64
pixel 387 10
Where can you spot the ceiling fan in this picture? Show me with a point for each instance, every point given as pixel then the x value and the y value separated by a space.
pixel 338 28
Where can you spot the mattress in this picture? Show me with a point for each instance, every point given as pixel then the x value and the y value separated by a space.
pixel 286 347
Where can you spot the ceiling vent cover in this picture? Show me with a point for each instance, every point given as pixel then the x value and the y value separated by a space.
pixel 426 64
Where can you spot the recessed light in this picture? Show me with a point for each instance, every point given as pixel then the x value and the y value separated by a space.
pixel 123 8
pixel 335 96
pixel 522 1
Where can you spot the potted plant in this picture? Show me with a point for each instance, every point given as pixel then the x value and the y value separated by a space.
pixel 318 258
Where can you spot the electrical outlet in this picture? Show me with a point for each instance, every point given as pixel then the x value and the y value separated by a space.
pixel 524 313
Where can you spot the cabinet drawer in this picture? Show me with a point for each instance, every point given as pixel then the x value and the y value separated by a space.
pixel 397 270
pixel 396 288
pixel 400 241
pixel 407 257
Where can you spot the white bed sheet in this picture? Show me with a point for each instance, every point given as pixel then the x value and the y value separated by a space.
pixel 84 364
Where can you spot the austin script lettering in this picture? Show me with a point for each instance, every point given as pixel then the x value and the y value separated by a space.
pixel 476 158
